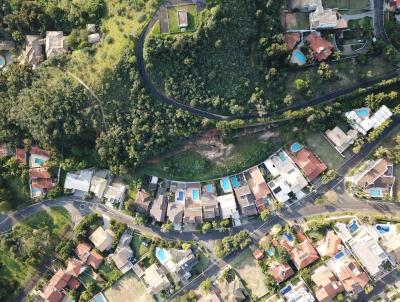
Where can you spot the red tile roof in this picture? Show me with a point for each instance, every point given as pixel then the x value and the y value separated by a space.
pixel 258 254
pixel 35 173
pixel 82 251
pixel 321 48
pixel 95 260
pixel 303 254
pixel 352 276
pixel 73 283
pixel 51 294
pixel 327 286
pixel 291 39
pixel 42 184
pixel 333 242
pixel 59 280
pixel 20 155
pixel 39 151
pixel 280 272
pixel 309 163
pixel 74 267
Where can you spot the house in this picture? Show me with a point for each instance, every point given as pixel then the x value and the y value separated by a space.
pixel 297 292
pixel 327 286
pixel 79 182
pixel 182 19
pixel 211 297
pixel 371 255
pixel 55 43
pixel 123 253
pixel 259 188
pixel 175 214
pixel 228 205
pixel 115 194
pixel 303 254
pixel 376 178
pixel 330 245
pixel 311 166
pixel 34 53
pixel 324 18
pixel 153 183
pixel 54 290
pixel 91 28
pixel 20 156
pixel 292 39
pixel 159 209
pixel 74 267
pixel 362 120
pixel 177 262
pixel 258 254
pixel 38 157
pixel 304 5
pixel 321 49
pixel 280 272
pixel 155 280
pixel 101 239
pixel 99 183
pixel 95 260
pixel 346 269
pixel 341 140
pixel 288 179
pixel 5 150
pixel 40 182
pixel 209 202
pixel 142 202
pixel 389 239
pixel 92 258
pixel 193 211
pixel 233 291
pixel 246 200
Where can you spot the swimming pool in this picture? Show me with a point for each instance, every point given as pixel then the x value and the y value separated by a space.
pixel 289 236
pixel 339 255
pixel 362 112
pixel 300 57
pixel 271 251
pixel 375 192
pixel 196 194
pixel 225 184
pixel 382 228
pixel 210 188
pixel 296 147
pixel 181 196
pixel 285 290
pixel 2 62
pixel 282 156
pixel 160 254
pixel 36 191
pixel 352 226
pixel 235 182
pixel 39 161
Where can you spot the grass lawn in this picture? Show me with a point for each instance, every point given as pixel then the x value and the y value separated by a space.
pixel 346 4
pixel 190 165
pixel 138 248
pixel 122 23
pixel 109 272
pixel 128 289
pixel 173 17
pixel 55 219
pixel 250 272
pixel 302 20
pixel 203 263
pixel 321 147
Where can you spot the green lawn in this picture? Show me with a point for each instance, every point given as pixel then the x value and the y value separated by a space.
pixel 173 17
pixel 321 147
pixel 302 20
pixel 250 272
pixel 138 248
pixel 55 219
pixel 203 263
pixel 109 272
pixel 190 165
pixel 347 4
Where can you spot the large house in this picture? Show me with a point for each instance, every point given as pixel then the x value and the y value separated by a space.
pixel 327 286
pixel 159 209
pixel 280 272
pixel 55 43
pixel 193 212
pixel 321 49
pixel 232 291
pixel 99 183
pixel 297 292
pixel 288 180
pixel 376 178
pixel 175 214
pixel 303 254
pixel 88 256
pixel 346 269
pixel 123 253
pixel 115 194
pixel 55 288
pixel 155 280
pixel 40 182
pixel 259 188
pixel 330 245
pixel 246 200
pixel 101 239
pixel 311 166
pixel 363 121
pixel 341 140
pixel 79 182
pixel 142 202
pixel 34 52
pixel 324 18
pixel 209 202
pixel 228 206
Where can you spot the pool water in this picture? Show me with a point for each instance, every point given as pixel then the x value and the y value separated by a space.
pixel 296 147
pixel 235 182
pixel 39 161
pixel 339 255
pixel 362 112
pixel 210 188
pixel 353 226
pixel 382 229
pixel 160 254
pixel 375 192
pixel 282 156
pixel 226 186
pixel 36 191
pixel 196 194
pixel 2 61
pixel 299 56
pixel 271 251
pixel 289 236
pixel 180 195
pixel 285 290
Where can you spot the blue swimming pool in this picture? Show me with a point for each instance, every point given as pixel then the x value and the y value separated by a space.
pixel 234 181
pixel 36 191
pixel 339 255
pixel 375 192
pixel 300 57
pixel 196 194
pixel 282 156
pixel 39 161
pixel 289 236
pixel 210 188
pixel 353 226
pixel 296 147
pixel 160 254
pixel 362 112
pixel 181 196
pixel 382 228
pixel 2 61
pixel 225 184
pixel 271 251
pixel 285 290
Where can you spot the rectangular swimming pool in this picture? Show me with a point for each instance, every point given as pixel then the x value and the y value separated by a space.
pixel 235 182
pixel 225 184
pixel 195 194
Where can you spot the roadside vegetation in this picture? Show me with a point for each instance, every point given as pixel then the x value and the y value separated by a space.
pixel 28 244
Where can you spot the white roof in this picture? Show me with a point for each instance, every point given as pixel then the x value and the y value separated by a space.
pixel 79 180
pixel 365 123
pixel 98 186
pixel 227 204
pixel 280 189
pixel 101 239
pixel 115 192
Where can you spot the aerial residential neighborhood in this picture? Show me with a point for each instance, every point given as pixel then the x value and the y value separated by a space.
pixel 200 151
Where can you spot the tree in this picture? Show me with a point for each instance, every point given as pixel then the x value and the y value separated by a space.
pixel 206 285
pixel 264 214
pixel 301 85
pixel 186 246
pixel 167 227
pixel 328 176
pixel 205 227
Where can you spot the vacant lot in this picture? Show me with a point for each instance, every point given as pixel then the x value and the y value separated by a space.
pixel 173 17
pixel 128 289
pixel 250 272
pixel 321 147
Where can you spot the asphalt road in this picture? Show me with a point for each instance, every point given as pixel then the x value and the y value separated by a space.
pixel 329 97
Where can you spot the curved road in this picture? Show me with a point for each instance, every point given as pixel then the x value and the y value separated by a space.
pixel 329 97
